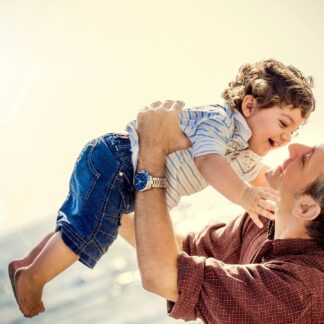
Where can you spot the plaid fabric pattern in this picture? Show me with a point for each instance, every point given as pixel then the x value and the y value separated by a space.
pixel 237 273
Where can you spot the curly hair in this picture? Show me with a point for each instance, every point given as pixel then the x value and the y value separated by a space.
pixel 315 228
pixel 271 83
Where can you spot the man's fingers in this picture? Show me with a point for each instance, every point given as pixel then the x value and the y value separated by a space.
pixel 167 104
pixel 178 105
pixel 155 104
pixel 144 109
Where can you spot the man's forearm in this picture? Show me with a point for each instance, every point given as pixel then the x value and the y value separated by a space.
pixel 127 229
pixel 157 249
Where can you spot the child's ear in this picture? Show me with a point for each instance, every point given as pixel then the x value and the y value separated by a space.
pixel 248 106
pixel 306 208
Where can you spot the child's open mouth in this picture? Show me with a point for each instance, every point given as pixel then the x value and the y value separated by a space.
pixel 273 143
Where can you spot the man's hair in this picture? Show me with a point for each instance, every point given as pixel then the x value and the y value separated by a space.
pixel 315 228
pixel 271 82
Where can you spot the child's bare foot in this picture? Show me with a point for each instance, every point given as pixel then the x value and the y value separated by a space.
pixel 12 268
pixel 28 293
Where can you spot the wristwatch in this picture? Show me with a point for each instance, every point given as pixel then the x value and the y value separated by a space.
pixel 144 181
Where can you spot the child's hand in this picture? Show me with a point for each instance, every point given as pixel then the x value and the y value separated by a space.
pixel 260 201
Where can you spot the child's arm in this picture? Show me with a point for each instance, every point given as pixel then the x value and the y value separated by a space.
pixel 260 180
pixel 219 174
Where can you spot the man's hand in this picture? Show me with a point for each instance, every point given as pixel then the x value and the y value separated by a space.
pixel 159 130
pixel 260 201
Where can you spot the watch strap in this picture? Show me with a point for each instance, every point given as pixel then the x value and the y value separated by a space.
pixel 158 182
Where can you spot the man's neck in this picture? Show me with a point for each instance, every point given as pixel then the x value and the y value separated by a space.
pixel 289 228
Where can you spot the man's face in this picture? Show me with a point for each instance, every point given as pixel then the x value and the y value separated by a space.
pixel 304 165
pixel 272 127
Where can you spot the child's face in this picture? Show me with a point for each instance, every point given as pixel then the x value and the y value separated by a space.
pixel 272 127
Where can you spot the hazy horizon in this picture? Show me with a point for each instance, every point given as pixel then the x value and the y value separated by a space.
pixel 73 70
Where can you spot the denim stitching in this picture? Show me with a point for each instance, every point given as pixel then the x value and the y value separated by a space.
pixel 107 196
pixel 95 173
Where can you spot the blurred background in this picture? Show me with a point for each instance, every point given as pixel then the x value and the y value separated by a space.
pixel 73 70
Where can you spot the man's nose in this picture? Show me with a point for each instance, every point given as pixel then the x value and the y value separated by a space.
pixel 297 149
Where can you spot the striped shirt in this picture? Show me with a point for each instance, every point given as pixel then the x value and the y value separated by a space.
pixel 211 129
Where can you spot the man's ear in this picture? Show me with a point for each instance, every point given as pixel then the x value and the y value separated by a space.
pixel 249 105
pixel 306 208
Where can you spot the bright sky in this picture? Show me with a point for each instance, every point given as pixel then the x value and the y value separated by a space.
pixel 72 70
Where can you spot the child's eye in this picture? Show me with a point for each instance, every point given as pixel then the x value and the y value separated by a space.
pixel 283 124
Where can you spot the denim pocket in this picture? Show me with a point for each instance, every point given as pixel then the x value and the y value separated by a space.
pixel 84 176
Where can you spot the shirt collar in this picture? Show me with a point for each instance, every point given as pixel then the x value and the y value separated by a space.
pixel 241 125
pixel 290 246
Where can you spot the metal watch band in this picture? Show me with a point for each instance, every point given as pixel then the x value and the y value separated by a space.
pixel 158 182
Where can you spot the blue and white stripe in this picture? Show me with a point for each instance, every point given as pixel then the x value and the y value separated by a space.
pixel 211 129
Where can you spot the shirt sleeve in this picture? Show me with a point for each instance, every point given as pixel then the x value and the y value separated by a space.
pixel 212 133
pixel 221 241
pixel 230 293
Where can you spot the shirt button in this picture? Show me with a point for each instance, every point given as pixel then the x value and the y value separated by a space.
pixel 263 259
pixel 121 174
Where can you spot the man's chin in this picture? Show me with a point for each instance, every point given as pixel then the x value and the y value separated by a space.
pixel 273 176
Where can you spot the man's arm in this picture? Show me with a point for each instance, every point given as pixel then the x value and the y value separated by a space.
pixel 157 248
pixel 234 293
pixel 127 231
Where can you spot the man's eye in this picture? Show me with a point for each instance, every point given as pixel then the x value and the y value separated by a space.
pixel 283 124
pixel 305 158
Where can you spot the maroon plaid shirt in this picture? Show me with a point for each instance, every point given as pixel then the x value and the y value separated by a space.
pixel 238 274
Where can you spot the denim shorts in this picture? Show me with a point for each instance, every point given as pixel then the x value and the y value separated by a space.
pixel 101 191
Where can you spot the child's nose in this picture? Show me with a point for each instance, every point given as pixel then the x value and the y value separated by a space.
pixel 286 137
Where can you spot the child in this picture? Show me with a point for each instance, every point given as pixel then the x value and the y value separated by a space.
pixel 263 106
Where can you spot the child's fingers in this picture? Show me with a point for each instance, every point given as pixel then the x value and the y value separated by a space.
pixel 270 192
pixel 270 196
pixel 269 205
pixel 256 220
pixel 263 212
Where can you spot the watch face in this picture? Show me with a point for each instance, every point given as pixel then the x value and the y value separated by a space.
pixel 140 180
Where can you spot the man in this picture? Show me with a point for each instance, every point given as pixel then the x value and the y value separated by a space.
pixel 234 273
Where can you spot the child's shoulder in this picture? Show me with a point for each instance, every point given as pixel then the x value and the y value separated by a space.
pixel 210 111
pixel 209 108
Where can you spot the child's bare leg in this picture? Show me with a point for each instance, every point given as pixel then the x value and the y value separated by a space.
pixel 27 260
pixel 30 281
